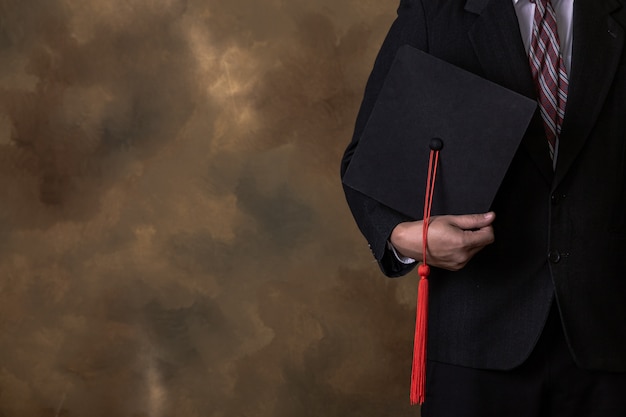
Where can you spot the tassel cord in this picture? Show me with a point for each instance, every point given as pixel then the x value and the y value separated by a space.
pixel 418 373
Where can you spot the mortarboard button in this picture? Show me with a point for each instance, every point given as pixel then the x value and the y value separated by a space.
pixel 436 144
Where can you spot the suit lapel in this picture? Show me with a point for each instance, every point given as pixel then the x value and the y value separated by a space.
pixel 597 44
pixel 498 45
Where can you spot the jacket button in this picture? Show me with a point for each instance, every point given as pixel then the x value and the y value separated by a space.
pixel 554 257
pixel 556 198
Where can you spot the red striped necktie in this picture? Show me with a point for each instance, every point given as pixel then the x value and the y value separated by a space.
pixel 548 70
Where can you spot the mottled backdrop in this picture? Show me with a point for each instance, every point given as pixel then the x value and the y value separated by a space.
pixel 173 236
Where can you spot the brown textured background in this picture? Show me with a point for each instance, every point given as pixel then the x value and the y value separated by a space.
pixel 173 236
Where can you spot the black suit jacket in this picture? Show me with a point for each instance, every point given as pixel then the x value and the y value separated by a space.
pixel 560 234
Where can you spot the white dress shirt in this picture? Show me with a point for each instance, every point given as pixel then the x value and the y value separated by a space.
pixel 525 11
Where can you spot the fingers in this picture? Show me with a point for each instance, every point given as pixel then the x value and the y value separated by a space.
pixel 472 221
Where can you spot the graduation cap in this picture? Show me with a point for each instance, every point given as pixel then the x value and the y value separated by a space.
pixel 434 120
pixel 479 123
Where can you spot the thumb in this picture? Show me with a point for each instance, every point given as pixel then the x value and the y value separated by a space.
pixel 473 221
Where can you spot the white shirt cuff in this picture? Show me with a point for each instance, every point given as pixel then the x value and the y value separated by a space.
pixel 403 259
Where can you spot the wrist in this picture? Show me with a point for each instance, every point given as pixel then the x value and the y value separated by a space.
pixel 406 239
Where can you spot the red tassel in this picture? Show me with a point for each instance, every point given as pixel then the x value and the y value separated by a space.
pixel 418 373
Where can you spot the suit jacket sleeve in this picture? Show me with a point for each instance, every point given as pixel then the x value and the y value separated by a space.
pixel 375 220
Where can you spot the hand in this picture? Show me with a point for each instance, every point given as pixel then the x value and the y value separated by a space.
pixel 452 240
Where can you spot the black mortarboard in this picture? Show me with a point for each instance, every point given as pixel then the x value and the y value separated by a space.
pixel 480 123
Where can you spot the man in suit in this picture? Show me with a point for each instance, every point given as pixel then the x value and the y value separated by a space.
pixel 527 310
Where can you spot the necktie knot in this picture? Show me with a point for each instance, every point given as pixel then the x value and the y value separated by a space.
pixel 542 5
